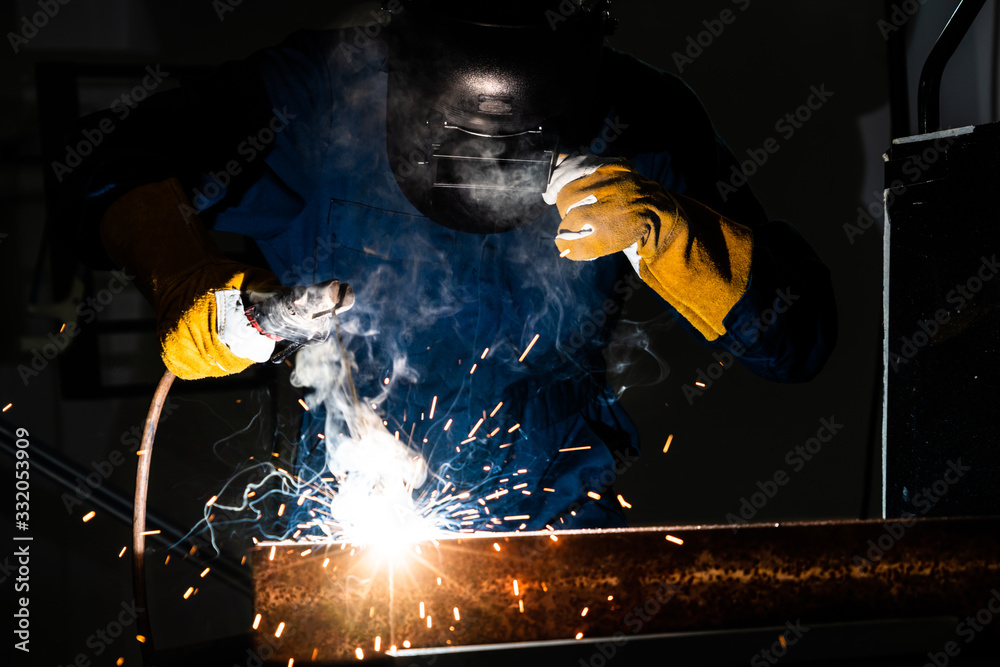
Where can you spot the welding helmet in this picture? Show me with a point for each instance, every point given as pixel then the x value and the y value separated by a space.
pixel 480 94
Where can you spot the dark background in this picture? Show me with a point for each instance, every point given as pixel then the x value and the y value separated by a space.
pixel 730 438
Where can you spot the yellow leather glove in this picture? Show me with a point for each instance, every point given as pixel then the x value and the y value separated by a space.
pixel 696 259
pixel 187 279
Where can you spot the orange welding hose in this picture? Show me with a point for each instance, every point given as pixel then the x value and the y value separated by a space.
pixel 139 516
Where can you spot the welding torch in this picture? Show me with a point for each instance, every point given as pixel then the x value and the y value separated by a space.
pixel 299 316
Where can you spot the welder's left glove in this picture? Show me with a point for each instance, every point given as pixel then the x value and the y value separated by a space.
pixel 696 259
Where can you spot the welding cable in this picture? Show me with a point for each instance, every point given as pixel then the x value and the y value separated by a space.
pixel 139 516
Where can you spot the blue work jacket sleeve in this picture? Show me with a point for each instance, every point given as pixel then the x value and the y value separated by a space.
pixel 784 328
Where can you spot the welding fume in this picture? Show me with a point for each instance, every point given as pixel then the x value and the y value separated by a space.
pixel 454 202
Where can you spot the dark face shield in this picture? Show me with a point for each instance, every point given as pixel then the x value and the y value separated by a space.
pixel 478 99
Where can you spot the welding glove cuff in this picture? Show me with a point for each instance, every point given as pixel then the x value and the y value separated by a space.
pixel 696 259
pixel 199 295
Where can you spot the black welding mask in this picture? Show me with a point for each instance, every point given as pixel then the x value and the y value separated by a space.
pixel 480 94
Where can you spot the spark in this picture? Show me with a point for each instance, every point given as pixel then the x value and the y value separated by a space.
pixel 140 452
pixel 549 490
pixel 675 540
pixel 8 407
pixel 89 515
pixel 428 621
pixel 520 606
pixel 485 352
pixel 326 562
pixel 448 424
pixel 579 635
pixel 574 449
pixel 514 428
pixel 281 628
pixel 271 555
pixel 517 517
pixel 465 442
pixel 140 639
pixel 584 612
pixel 624 502
pixel 610 598
pixel 700 384
pixel 528 349
pixel 782 641
pixel 516 590
pixel 303 404
pixel 122 552
pixel 595 496
pixel 281 509
pixel 473 369
pixel 188 592
pixel 497 408
pixel 211 501
pixel 205 572
pixel 406 643
pixel 385 381
pixel 378 643
pixel 422 612
pixel 553 538
pixel 496 546
pixel 439 581
pixel 359 653
pixel 256 621
pixel 62 328
pixel 291 661
pixel 120 662
pixel 434 402
pixel 476 427
pixel 457 617
pixel 565 252
pixel 670 438
pixel 306 553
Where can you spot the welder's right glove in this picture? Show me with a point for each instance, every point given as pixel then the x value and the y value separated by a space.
pixel 198 293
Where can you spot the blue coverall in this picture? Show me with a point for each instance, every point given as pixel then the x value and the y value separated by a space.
pixel 288 148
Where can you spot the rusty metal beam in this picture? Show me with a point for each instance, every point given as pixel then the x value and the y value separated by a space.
pixel 587 585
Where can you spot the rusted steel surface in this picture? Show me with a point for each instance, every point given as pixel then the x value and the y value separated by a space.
pixel 583 585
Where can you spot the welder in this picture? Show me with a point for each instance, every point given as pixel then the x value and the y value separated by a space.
pixel 492 180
